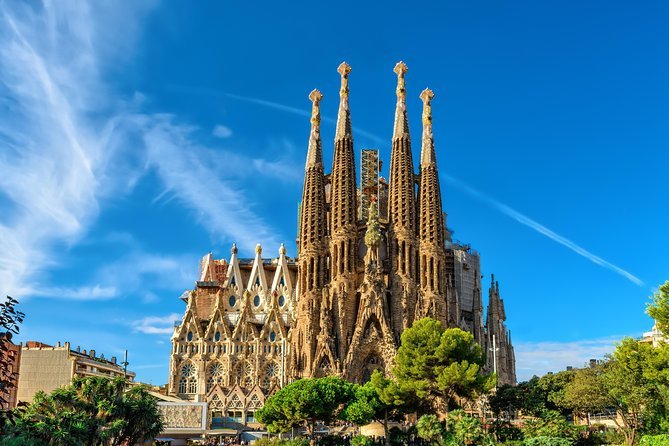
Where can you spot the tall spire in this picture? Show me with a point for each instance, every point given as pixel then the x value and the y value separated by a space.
pixel 402 214
pixel 344 114
pixel 343 219
pixel 312 248
pixel 432 253
pixel 431 217
pixel 315 152
pixel 401 121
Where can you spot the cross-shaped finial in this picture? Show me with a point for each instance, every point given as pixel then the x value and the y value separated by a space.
pixel 343 70
pixel 401 69
pixel 426 96
pixel 315 96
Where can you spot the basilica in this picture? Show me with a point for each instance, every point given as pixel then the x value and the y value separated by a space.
pixel 371 259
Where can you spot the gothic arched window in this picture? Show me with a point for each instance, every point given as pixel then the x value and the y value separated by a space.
pixel 271 372
pixel 215 375
pixel 188 381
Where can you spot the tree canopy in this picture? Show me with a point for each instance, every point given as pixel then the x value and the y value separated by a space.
pixel 304 402
pixel 658 309
pixel 440 365
pixel 95 411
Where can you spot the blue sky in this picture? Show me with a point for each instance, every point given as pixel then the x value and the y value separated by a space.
pixel 135 137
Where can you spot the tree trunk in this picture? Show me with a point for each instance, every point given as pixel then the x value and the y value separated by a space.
pixel 385 426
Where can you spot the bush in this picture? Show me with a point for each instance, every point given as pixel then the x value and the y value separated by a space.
pixel 505 432
pixel 551 424
pixel 361 440
pixel 613 436
pixel 547 441
pixel 654 440
pixel 397 437
pixel 331 440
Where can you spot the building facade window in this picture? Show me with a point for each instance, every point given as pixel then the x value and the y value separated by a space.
pixel 215 375
pixel 188 381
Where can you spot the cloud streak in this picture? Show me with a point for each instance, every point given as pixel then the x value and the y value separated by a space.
pixel 501 207
pixel 160 325
pixel 541 229
pixel 69 142
pixel 287 109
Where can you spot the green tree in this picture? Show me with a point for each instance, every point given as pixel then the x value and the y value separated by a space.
pixel 630 387
pixel 658 309
pixel 505 400
pixel 553 387
pixel 465 430
pixel 440 365
pixel 551 423
pixel 380 399
pixel 304 402
pixel 586 392
pixel 94 411
pixel 430 429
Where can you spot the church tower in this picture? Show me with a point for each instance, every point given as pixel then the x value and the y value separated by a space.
pixel 501 358
pixel 252 325
pixel 402 215
pixel 343 221
pixel 432 255
pixel 312 246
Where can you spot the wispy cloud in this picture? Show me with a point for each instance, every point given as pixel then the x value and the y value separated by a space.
pixel 68 142
pixel 219 205
pixel 95 292
pixel 222 131
pixel 538 358
pixel 130 273
pixel 160 325
pixel 541 229
pixel 50 148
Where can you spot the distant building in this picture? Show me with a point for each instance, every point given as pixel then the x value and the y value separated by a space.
pixel 13 357
pixel 655 336
pixel 45 367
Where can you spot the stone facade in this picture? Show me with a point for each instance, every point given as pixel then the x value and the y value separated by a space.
pixel 362 275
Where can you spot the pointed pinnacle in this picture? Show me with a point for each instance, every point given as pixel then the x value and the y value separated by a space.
pixel 427 155
pixel 314 155
pixel 401 127
pixel 344 114
pixel 400 69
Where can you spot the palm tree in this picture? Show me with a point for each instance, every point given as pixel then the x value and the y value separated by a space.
pixel 94 411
